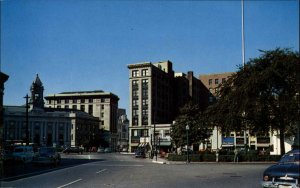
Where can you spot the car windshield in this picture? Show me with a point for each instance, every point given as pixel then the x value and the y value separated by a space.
pixel 290 158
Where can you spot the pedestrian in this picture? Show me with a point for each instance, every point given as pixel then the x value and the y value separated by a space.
pixel 236 156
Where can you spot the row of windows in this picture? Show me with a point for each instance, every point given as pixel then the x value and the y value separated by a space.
pixel 74 101
pixel 140 133
pixel 135 93
pixel 82 108
pixel 135 103
pixel 210 81
pixel 136 73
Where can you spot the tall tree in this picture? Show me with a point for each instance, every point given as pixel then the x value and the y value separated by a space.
pixel 190 115
pixel 261 95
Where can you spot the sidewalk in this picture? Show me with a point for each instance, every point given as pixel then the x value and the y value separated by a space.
pixel 160 160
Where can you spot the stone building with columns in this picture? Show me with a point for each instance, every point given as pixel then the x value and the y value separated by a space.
pixel 48 126
pixel 3 78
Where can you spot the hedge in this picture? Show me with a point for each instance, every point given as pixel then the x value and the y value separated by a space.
pixel 211 157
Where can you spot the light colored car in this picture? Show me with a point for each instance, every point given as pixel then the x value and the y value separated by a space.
pixel 100 150
pixel 47 155
pixel 107 150
pixel 24 154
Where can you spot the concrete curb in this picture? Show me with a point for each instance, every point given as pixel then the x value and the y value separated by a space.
pixel 126 153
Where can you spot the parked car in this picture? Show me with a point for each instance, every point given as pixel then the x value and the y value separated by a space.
pixel 47 155
pixel 73 150
pixel 285 173
pixel 140 153
pixel 100 150
pixel 107 150
pixel 23 153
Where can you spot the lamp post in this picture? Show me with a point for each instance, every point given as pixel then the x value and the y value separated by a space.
pixel 27 132
pixel 187 128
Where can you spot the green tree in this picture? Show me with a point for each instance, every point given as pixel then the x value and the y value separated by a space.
pixel 261 95
pixel 192 116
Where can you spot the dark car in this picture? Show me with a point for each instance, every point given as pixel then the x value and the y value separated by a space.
pixel 47 155
pixel 140 154
pixel 73 150
pixel 285 174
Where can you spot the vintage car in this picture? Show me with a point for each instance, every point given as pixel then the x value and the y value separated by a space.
pixel 140 153
pixel 24 154
pixel 47 155
pixel 285 174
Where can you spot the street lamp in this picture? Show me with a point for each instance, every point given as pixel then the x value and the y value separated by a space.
pixel 27 132
pixel 187 128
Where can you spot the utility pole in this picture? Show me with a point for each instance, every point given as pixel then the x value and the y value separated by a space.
pixel 27 132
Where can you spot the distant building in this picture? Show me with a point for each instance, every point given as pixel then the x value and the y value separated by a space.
pixel 123 128
pixel 156 94
pixel 213 81
pixel 189 88
pixel 3 78
pixel 262 142
pixel 100 104
pixel 48 126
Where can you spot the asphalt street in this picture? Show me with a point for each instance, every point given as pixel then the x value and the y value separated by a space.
pixel 122 171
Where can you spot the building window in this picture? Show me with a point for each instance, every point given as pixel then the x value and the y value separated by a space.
pixel 135 132
pixel 135 83
pixel 135 73
pixel 135 103
pixel 102 100
pixel 145 116
pixel 74 100
pixel 58 101
pixel 74 107
pixel 135 121
pixel 135 93
pixel 216 81
pixel 82 100
pixel 67 107
pixel 135 117
pixel 145 72
pixel 145 112
pixel 90 100
pixel 90 109
pixel 67 101
pixel 145 133
pixel 209 81
pixel 145 102
pixel 58 106
pixel 145 92
pixel 82 108
pixel 102 115
pixel 145 83
pixel 102 107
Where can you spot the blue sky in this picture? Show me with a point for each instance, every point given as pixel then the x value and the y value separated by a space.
pixel 77 45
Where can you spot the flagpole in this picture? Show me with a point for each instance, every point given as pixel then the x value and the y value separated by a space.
pixel 243 56
pixel 243 34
